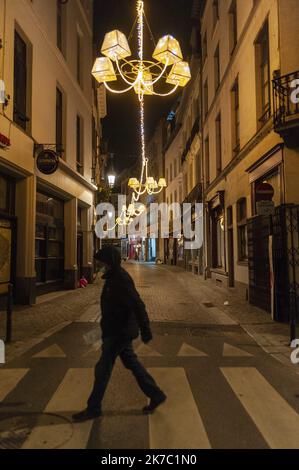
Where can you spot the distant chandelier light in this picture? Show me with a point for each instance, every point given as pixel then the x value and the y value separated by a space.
pixel 141 75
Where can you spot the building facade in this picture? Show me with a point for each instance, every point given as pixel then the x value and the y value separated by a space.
pixel 155 150
pixel 245 45
pixel 183 157
pixel 46 221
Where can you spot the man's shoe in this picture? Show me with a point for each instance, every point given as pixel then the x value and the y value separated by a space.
pixel 154 403
pixel 86 415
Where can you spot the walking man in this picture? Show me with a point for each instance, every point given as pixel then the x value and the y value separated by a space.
pixel 123 317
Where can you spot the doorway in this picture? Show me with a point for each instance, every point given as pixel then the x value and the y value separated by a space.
pixel 230 246
pixel 80 254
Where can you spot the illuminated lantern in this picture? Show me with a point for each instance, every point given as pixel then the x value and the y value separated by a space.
pixel 168 48
pixel 115 46
pixel 180 73
pixel 103 70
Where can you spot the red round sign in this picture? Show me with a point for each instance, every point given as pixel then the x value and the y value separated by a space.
pixel 264 192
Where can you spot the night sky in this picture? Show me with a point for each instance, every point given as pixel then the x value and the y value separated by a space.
pixel 121 126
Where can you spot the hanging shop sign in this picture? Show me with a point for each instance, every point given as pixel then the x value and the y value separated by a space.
pixel 47 162
pixel 4 141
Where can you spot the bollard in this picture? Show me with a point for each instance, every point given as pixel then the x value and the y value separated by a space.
pixel 9 313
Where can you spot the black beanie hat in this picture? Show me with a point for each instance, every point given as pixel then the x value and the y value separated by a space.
pixel 110 255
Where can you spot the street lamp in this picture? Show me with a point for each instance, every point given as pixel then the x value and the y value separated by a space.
pixel 111 173
pixel 111 180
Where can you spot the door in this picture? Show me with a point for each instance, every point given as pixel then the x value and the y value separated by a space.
pixel 80 254
pixel 230 247
pixel 7 252
pixel 258 262
pixel 231 266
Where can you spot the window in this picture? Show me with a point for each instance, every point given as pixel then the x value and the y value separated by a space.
pixel 263 75
pixel 218 145
pixel 59 120
pixel 49 239
pixel 195 109
pixel 217 68
pixel 242 229
pixel 21 79
pixel 186 184
pixel 215 12
pixel 204 48
pixel 94 148
pixel 191 176
pixel 61 26
pixel 230 219
pixel 79 145
pixel 175 196
pixel 7 194
pixel 175 169
pixel 79 60
pixel 220 242
pixel 167 176
pixel 207 161
pixel 170 172
pixel 235 118
pixel 233 26
pixel 197 168
pixel 217 240
pixel 206 98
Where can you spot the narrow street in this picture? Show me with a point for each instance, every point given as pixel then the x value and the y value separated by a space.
pixel 224 390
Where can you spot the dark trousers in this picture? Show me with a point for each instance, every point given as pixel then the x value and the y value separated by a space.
pixel 111 348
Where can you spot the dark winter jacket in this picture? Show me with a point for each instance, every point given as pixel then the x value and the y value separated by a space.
pixel 123 312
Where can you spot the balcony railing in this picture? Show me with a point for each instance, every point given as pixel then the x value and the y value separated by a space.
pixel 196 195
pixel 195 130
pixel 286 101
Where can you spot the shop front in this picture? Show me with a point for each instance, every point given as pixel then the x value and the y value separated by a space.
pixel 193 258
pixel 49 242
pixel 7 233
pixel 217 253
pixel 266 178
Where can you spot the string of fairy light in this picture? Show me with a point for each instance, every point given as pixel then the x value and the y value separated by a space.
pixel 141 75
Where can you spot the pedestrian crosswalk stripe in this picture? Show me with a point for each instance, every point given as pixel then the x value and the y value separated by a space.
pixel 233 351
pixel 51 351
pixel 187 350
pixel 73 391
pixel 70 397
pixel 146 351
pixel 177 424
pixel 9 379
pixel 277 421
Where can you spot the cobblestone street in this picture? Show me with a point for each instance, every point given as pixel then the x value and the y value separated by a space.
pixel 201 359
pixel 170 294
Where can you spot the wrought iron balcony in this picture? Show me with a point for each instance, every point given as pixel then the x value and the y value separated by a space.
pixel 286 108
pixel 196 195
pixel 195 130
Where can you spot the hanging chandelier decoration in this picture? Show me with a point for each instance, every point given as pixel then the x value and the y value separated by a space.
pixel 141 76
